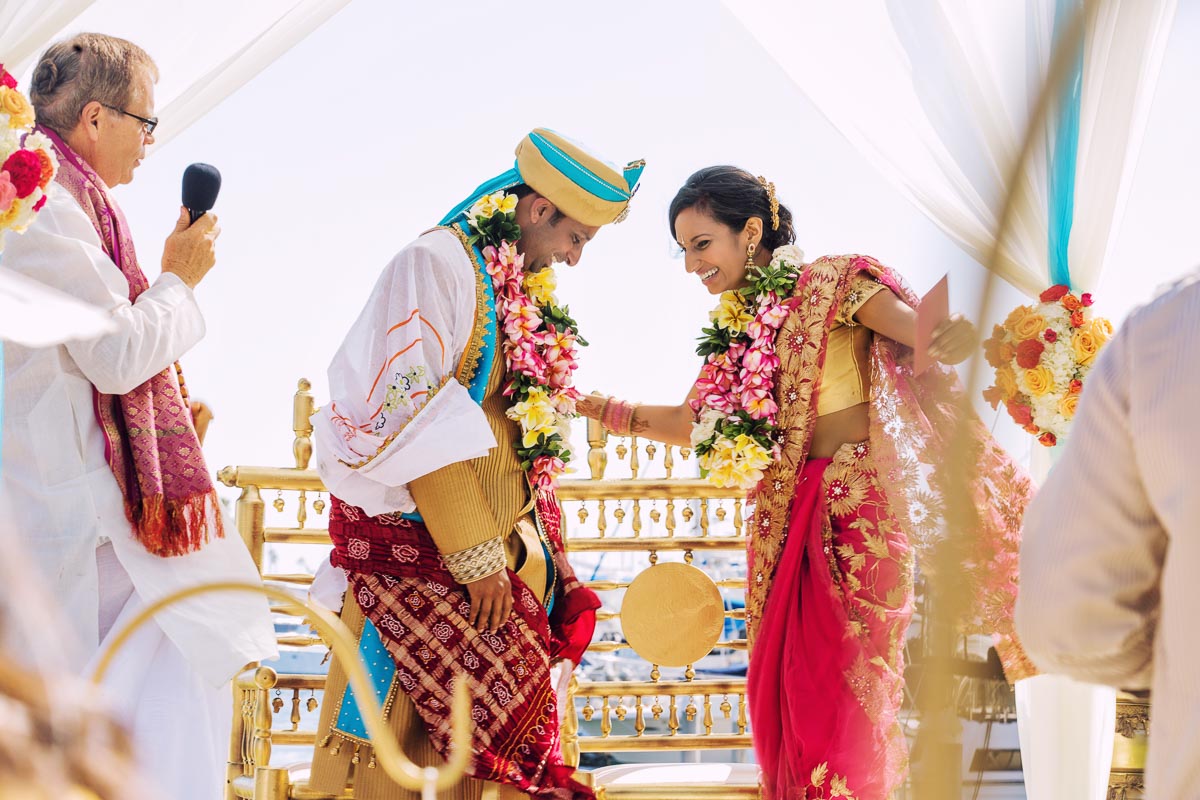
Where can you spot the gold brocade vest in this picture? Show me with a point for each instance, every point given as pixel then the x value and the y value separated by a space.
pixel 505 484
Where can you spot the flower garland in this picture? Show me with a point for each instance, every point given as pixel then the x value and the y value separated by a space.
pixel 1041 355
pixel 540 341
pixel 27 162
pixel 734 431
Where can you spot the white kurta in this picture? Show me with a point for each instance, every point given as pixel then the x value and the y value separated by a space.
pixel 60 496
pixel 409 338
pixel 396 404
pixel 1109 557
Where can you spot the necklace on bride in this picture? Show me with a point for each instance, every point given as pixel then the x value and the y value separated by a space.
pixel 734 430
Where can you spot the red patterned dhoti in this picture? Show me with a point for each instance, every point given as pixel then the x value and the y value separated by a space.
pixel 399 582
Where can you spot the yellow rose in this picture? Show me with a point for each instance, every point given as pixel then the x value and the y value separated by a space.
pixel 1067 405
pixel 1102 330
pixel 16 106
pixel 1006 382
pixel 1029 326
pixel 1015 316
pixel 1084 346
pixel 8 217
pixel 1039 380
pixel 731 313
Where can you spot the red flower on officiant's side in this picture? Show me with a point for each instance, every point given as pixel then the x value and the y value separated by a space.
pixel 24 169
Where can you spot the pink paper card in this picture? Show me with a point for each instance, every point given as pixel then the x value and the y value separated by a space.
pixel 933 311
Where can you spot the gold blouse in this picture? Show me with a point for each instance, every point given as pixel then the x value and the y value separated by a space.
pixel 846 379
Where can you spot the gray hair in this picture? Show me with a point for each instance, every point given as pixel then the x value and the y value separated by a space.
pixel 86 67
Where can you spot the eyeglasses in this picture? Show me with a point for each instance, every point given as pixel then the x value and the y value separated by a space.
pixel 148 125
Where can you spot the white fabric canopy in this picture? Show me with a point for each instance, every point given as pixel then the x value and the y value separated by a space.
pixel 204 51
pixel 937 94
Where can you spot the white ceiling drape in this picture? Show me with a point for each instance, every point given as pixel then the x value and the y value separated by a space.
pixel 204 50
pixel 937 94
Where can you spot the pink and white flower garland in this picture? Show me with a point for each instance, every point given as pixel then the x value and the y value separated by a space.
pixel 539 346
pixel 734 432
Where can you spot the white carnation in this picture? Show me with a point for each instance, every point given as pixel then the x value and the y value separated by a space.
pixel 788 253
pixel 564 430
pixel 39 141
pixel 703 430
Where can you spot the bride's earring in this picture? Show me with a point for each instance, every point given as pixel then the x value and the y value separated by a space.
pixel 750 255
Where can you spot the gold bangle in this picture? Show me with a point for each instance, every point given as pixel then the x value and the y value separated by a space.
pixel 474 563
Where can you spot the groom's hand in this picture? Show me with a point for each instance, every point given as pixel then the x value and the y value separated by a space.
pixel 201 416
pixel 491 601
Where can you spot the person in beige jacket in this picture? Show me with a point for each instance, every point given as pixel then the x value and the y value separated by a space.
pixel 1109 556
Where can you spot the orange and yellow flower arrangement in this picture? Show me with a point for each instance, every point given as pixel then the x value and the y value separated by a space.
pixel 1042 355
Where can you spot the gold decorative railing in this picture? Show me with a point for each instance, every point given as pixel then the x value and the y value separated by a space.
pixel 650 508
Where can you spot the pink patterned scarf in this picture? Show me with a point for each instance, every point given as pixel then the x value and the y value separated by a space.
pixel 151 443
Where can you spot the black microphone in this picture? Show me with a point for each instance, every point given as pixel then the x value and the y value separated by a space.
pixel 201 183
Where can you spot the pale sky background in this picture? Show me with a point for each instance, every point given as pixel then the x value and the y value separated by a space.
pixel 365 133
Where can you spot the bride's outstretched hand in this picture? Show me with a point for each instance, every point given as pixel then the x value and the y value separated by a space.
pixel 953 340
pixel 590 405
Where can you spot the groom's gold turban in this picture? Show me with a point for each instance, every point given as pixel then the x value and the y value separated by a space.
pixel 580 184
pixel 583 187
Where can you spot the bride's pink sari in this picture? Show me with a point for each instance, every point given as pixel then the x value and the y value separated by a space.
pixel 831 554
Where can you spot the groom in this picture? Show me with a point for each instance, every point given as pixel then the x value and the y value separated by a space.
pixel 444 434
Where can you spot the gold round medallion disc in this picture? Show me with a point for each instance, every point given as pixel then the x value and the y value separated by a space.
pixel 672 614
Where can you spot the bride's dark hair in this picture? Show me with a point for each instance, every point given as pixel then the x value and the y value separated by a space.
pixel 732 196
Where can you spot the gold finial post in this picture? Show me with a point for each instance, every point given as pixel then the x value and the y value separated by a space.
pixel 597 454
pixel 303 408
pixel 570 726
pixel 249 517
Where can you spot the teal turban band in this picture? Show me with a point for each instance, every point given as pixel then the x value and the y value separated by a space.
pixel 581 185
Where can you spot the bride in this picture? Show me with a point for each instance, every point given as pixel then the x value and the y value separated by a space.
pixel 807 398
